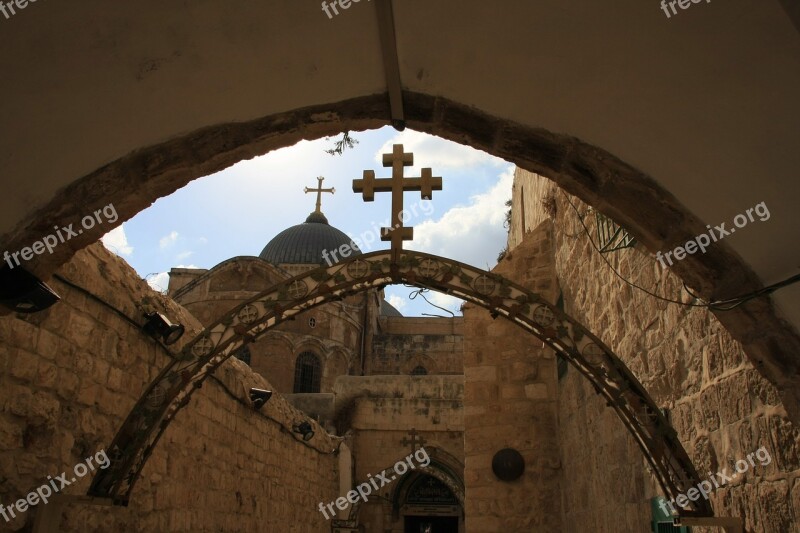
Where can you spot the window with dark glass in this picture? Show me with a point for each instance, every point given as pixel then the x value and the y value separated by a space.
pixel 307 373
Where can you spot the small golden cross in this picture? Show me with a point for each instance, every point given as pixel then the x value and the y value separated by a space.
pixel 319 190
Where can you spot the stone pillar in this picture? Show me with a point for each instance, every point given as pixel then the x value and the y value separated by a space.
pixel 509 402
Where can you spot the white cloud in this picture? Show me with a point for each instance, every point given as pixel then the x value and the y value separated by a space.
pixel 398 302
pixel 168 240
pixel 437 153
pixel 473 234
pixel 117 242
pixel 183 255
pixel 160 281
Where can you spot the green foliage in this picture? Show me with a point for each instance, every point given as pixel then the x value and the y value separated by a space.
pixel 342 144
pixel 502 254
pixel 507 220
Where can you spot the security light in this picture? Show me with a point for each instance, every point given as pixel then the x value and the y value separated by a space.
pixel 258 397
pixel 23 292
pixel 159 326
pixel 304 428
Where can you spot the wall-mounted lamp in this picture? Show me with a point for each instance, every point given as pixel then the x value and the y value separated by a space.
pixel 304 428
pixel 158 325
pixel 23 292
pixel 258 397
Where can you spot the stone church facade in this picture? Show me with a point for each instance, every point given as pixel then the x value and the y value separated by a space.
pixel 376 387
pixel 356 366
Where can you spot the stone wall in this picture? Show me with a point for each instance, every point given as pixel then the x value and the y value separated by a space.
pixel 332 331
pixel 403 343
pixel 71 374
pixel 381 412
pixel 719 404
pixel 509 402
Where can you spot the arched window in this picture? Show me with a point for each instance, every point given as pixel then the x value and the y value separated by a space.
pixel 419 370
pixel 307 373
pixel 243 355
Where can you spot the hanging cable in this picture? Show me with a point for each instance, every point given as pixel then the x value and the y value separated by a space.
pixel 421 292
pixel 138 326
pixel 716 305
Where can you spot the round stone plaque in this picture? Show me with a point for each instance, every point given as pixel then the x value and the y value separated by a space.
pixel 508 464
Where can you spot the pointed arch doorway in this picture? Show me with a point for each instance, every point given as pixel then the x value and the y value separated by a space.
pixel 429 506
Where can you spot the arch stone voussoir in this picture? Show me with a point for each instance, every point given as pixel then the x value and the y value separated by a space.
pixel 172 388
pixel 626 194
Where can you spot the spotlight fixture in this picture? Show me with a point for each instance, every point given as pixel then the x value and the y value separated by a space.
pixel 23 292
pixel 258 397
pixel 304 428
pixel 159 326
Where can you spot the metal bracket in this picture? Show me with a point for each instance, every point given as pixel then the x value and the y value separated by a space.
pixel 728 523
pixel 391 63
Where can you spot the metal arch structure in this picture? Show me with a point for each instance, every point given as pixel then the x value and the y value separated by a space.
pixel 174 385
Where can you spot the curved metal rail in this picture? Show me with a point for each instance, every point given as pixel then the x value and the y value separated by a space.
pixel 173 387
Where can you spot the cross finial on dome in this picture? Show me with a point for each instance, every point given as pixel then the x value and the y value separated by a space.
pixel 319 190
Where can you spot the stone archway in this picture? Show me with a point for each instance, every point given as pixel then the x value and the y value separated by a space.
pixel 173 387
pixel 615 188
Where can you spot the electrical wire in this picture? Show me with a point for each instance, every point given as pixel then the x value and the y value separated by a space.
pixel 420 292
pixel 171 355
pixel 716 305
pixel 99 300
pixel 283 427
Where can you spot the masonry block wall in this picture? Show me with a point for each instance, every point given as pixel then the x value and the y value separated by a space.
pixel 331 331
pixel 509 402
pixel 435 344
pixel 70 375
pixel 717 401
pixel 383 411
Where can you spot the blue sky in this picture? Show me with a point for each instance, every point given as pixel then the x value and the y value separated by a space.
pixel 238 210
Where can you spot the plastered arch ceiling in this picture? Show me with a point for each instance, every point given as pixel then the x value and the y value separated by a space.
pixel 705 102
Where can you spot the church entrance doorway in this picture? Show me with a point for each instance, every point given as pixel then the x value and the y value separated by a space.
pixel 431 524
pixel 430 507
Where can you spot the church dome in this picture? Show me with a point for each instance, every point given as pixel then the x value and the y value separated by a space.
pixel 304 243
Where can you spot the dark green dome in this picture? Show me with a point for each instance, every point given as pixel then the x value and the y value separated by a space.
pixel 304 243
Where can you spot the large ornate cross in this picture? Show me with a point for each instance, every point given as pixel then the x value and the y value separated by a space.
pixel 397 184
pixel 319 190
